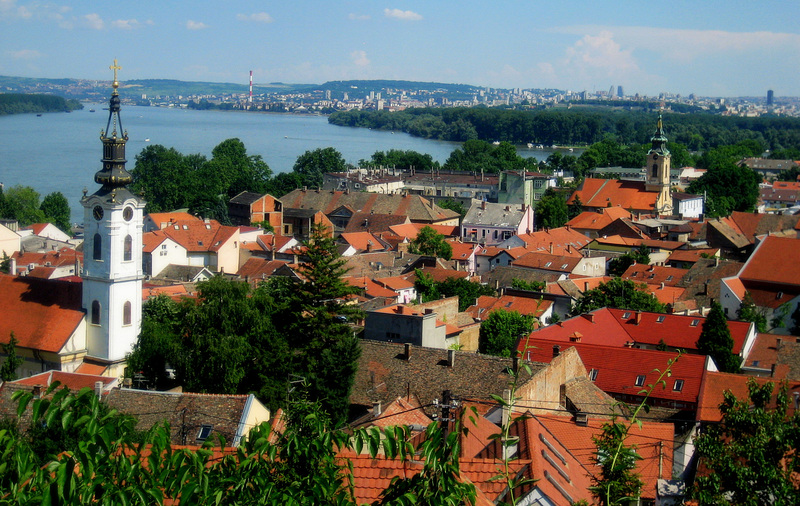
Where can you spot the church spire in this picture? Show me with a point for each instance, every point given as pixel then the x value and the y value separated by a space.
pixel 113 174
pixel 659 140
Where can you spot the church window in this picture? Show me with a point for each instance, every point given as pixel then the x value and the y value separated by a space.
pixel 128 249
pixel 97 247
pixel 95 312
pixel 655 170
pixel 126 313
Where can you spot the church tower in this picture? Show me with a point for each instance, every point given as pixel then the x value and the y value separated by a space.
pixel 658 166
pixel 112 249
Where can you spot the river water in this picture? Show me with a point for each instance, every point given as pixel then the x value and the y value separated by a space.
pixel 61 152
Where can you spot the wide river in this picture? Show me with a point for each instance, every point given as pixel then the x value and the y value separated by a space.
pixel 61 152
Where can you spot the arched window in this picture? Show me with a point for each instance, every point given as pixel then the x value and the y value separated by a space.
pixel 126 313
pixel 128 249
pixel 655 170
pixel 97 250
pixel 95 312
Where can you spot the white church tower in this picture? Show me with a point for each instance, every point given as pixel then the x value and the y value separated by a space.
pixel 112 273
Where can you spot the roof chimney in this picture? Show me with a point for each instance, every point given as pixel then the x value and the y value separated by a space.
pixel 98 389
pixel 483 204
pixel 451 358
pixel 585 286
pixel 551 248
pixel 37 391
pixel 556 350
pixel 407 352
pixel 12 267
pixel 638 317
pixel 376 409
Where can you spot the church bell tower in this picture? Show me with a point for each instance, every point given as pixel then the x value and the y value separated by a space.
pixel 112 273
pixel 658 167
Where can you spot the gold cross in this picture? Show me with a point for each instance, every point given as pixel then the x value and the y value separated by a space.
pixel 115 67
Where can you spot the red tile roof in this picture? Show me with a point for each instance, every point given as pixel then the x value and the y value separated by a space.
pixel 597 220
pixel 43 314
pixel 716 384
pixel 194 235
pixel 371 288
pixel 602 193
pixel 259 267
pixel 563 240
pixel 71 380
pixel 485 305
pixel 64 256
pixel 776 260
pixel 546 261
pixel 363 241
pixel 691 255
pixel 654 274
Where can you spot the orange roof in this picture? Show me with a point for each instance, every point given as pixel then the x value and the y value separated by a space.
pixel 91 369
pixel 715 384
pixel 584 284
pixel 439 275
pixel 43 314
pixel 194 235
pixel 654 274
pixel 363 241
pixel 462 250
pixel 259 267
pixel 175 292
pixel 666 294
pixel 445 230
pixel 546 261
pixel 776 261
pixel 603 193
pixel 764 353
pixel 395 283
pixel 371 288
pixel 691 255
pixel 405 230
pixel 71 380
pixel 486 304
pixel 37 228
pixel 598 220
pixel 163 219
pixel 64 256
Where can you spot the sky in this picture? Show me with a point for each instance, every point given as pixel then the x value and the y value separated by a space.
pixel 707 47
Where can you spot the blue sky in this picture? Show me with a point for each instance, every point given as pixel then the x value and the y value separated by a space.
pixel 707 47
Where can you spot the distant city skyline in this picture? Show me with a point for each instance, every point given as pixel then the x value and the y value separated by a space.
pixel 710 48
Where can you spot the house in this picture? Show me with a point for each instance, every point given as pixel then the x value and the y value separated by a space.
pixel 490 224
pixel 772 277
pixel 48 231
pixel 465 255
pixel 702 282
pixel 736 234
pixel 434 324
pixel 158 221
pixel 460 186
pixel 527 304
pixel 374 223
pixel 556 241
pixel 565 266
pixel 597 194
pixel 775 198
pixel 194 243
pixel 10 241
pixel 49 265
pixel 767 168
pixel 687 205
pixel 370 180
pixel 654 274
pixel 523 187
pixel 248 207
pixel 590 223
pixel 299 223
pixel 619 245
pixel 362 242
pixel 686 258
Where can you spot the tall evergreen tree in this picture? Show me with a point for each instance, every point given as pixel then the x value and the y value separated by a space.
pixel 716 341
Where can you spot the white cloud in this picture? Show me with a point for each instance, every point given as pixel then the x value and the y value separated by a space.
pixel 358 17
pixel 24 54
pixel 260 17
pixel 195 25
pixel 600 51
pixel 93 21
pixel 402 15
pixel 359 57
pixel 129 24
pixel 10 9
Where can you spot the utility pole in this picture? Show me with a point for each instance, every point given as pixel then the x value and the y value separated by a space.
pixel 449 407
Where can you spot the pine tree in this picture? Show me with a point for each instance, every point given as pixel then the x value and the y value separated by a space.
pixel 716 341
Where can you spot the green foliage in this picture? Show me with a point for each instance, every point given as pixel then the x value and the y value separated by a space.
pixel 55 208
pixel 284 183
pixel 501 330
pixel 619 265
pixel 5 263
pixel 467 291
pixel 716 341
pixel 476 156
pixel 575 208
pixel 619 293
pixel 728 187
pixel 8 371
pixel 17 103
pixel 402 160
pixel 22 204
pixel 533 286
pixel 431 243
pixel 751 455
pixel 311 165
pixel 551 210
pixel 749 312
pixel 453 205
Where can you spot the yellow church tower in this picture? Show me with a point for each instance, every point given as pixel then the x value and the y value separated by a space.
pixel 658 166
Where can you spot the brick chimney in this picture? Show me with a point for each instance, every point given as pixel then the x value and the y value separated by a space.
pixel 451 358
pixel 407 353
pixel 638 317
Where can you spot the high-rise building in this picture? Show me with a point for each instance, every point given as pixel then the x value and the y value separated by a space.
pixel 112 273
pixel 770 97
pixel 620 91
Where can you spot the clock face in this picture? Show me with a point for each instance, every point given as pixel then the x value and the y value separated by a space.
pixel 127 213
pixel 97 212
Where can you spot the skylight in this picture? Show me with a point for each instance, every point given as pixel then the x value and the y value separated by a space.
pixel 660 319
pixel 678 386
pixel 639 380
pixel 626 315
pixel 695 322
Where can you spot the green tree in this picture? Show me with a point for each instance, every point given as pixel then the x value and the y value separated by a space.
pixel 619 265
pixel 728 186
pixel 453 205
pixel 749 312
pixel 501 330
pixel 467 291
pixel 166 178
pixel 284 183
pixel 236 170
pixel 751 455
pixel 716 341
pixel 618 293
pixel 402 160
pixel 533 286
pixel 8 371
pixel 22 204
pixel 576 208
pixel 311 165
pixel 56 210
pixel 551 210
pixel 431 243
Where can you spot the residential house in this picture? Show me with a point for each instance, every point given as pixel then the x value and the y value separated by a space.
pixel 10 241
pixel 564 265
pixel 772 277
pixel 686 258
pixel 370 180
pixel 767 168
pixel 48 231
pixel 687 205
pixel 596 194
pixel 523 187
pixel 736 234
pixel 157 221
pixel 373 223
pixel 491 224
pixel 362 242
pixel 556 241
pixel 590 223
pixel 299 223
pixel 194 243
pixel 459 186
pixel 777 197
pixel 465 255
pixel 522 303
pixel 49 265
pixel 248 207
pixel 619 245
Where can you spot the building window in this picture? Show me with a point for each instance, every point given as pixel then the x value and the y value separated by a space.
pixel 97 247
pixel 127 254
pixel 205 431
pixel 95 312
pixel 126 313
pixel 678 386
pixel 593 374
pixel 655 170
pixel 639 380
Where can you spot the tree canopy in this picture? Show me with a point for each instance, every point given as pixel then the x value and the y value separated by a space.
pixel 501 330
pixel 431 243
pixel 467 291
pixel 476 156
pixel 551 210
pixel 619 293
pixel 716 341
pixel 312 164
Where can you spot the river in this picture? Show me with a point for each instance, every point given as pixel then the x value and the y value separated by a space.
pixel 62 151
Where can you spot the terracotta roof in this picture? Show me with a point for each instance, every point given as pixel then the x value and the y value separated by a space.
pixel 764 354
pixel 692 255
pixel 71 380
pixel 753 224
pixel 363 241
pixel 564 241
pixel 194 235
pixel 776 260
pixel 371 288
pixel 627 371
pixel 43 314
pixel 395 283
pixel 601 193
pixel 64 256
pixel 175 292
pixel 654 274
pixel 653 441
pixel 370 222
pixel 707 270
pixel 597 220
pixel 546 261
pixel 485 305
pixel 463 250
pixel 716 384
pixel 162 219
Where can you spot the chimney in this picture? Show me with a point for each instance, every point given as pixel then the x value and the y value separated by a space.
pixel 12 266
pixel 515 364
pixel 506 409
pixel 796 400
pixel 98 389
pixel 556 350
pixel 585 286
pixel 716 261
pixel 376 409
pixel 662 285
pixel 37 391
pixel 451 358
pixel 483 204
pixel 772 372
pixel 638 317
pixel 551 248
pixel 407 352
pixel 778 344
